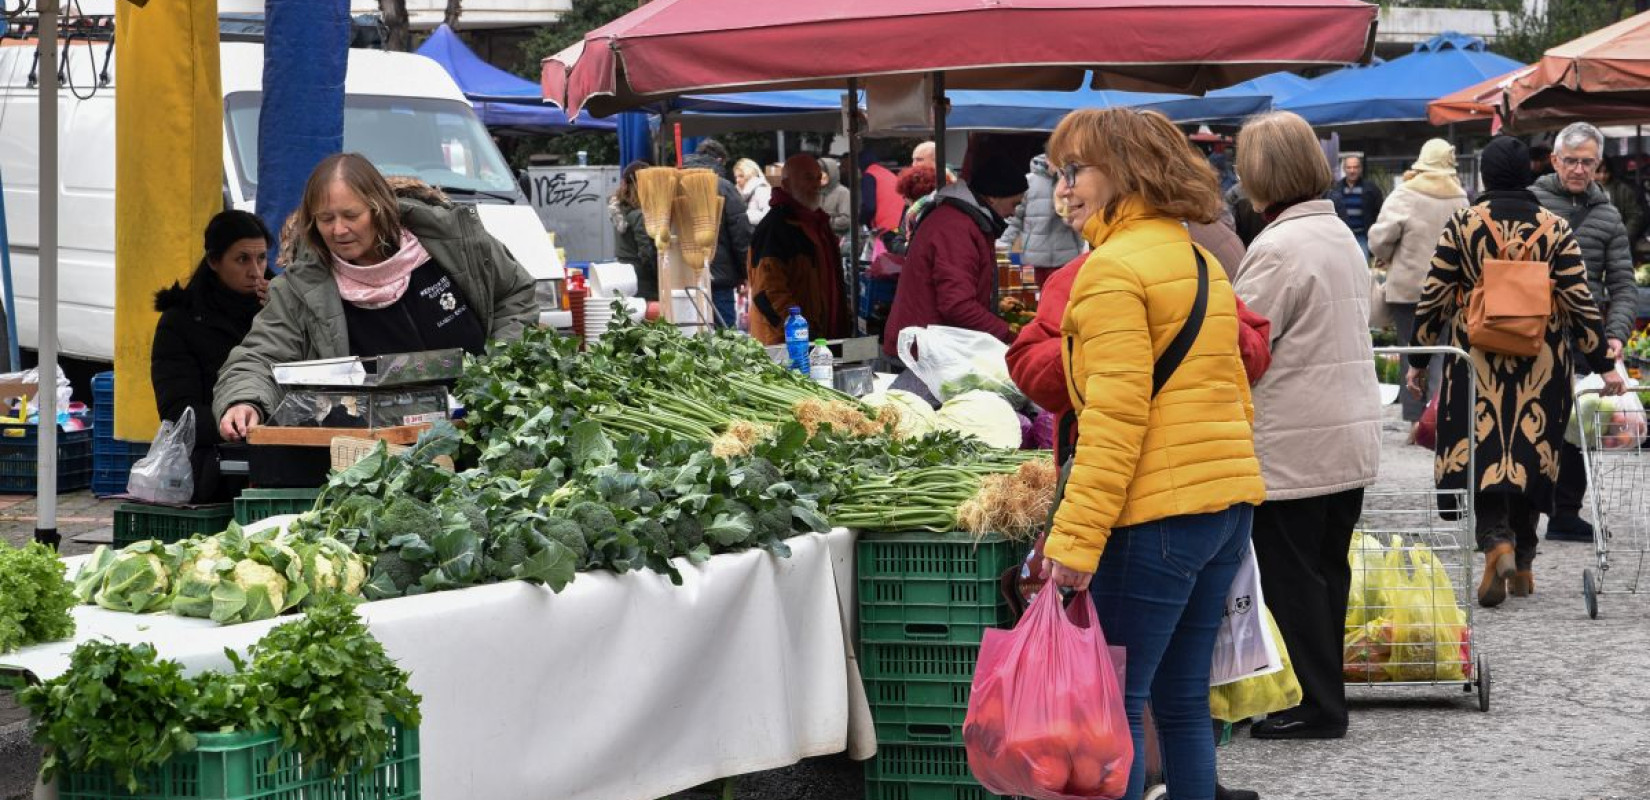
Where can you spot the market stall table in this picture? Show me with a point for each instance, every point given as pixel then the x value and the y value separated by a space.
pixel 621 687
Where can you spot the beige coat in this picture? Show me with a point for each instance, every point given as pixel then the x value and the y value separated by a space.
pixel 1317 409
pixel 1406 235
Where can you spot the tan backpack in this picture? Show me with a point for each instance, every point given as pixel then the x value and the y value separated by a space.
pixel 1507 311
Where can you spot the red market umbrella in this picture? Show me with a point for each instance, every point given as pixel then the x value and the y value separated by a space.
pixel 672 47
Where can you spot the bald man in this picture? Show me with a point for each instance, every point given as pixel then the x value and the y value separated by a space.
pixel 923 155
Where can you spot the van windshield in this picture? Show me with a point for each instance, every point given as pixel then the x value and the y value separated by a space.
pixel 438 141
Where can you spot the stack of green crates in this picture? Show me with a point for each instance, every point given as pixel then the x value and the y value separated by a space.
pixel 138 522
pixel 925 600
pixel 259 504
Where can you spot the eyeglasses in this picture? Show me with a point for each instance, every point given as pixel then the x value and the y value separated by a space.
pixel 1572 163
pixel 1069 173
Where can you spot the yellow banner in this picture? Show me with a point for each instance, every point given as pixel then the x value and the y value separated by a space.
pixel 168 177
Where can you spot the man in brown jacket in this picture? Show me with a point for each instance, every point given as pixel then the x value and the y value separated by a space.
pixel 795 259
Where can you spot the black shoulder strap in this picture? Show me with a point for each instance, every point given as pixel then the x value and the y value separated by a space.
pixel 1162 369
pixel 1182 344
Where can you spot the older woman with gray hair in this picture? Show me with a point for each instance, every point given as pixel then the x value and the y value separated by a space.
pixel 1571 193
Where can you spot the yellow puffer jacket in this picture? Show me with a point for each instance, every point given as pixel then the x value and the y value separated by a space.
pixel 1190 450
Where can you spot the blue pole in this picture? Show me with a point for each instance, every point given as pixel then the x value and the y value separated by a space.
pixel 16 362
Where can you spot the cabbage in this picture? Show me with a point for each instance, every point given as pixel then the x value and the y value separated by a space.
pixel 139 580
pixel 203 569
pixel 249 592
pixel 916 417
pixel 983 415
pixel 329 566
pixel 90 577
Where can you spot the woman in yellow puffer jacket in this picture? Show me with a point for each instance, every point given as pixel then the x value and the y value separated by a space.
pixel 1160 498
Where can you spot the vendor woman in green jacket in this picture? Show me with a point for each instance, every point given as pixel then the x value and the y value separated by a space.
pixel 373 274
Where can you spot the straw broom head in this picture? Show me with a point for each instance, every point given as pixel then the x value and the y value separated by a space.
pixel 695 255
pixel 704 205
pixel 656 190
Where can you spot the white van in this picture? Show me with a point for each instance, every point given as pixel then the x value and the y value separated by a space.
pixel 401 110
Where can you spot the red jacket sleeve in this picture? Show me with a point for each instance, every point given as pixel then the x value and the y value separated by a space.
pixel 1034 358
pixel 1254 342
pixel 956 292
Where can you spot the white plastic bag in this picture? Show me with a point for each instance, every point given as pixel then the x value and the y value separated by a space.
pixel 1242 647
pixel 1620 421
pixel 65 392
pixel 165 475
pixel 951 361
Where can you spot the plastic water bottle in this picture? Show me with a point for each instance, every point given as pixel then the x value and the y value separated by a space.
pixel 821 366
pixel 796 340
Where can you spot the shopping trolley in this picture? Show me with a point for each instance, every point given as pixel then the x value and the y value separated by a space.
pixel 1408 620
pixel 1618 484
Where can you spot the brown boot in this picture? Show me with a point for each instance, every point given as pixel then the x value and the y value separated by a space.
pixel 1499 569
pixel 1522 583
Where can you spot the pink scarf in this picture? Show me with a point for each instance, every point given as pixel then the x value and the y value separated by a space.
pixel 381 284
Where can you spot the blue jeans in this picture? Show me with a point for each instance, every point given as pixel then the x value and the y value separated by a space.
pixel 726 303
pixel 1161 593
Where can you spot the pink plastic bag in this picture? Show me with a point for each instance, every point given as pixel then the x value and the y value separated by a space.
pixel 1045 718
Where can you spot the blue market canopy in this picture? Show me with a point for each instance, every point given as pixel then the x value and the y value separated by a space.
pixel 1279 86
pixel 501 100
pixel 816 109
pixel 1399 90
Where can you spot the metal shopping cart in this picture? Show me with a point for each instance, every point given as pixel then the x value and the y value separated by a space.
pixel 1618 482
pixel 1409 622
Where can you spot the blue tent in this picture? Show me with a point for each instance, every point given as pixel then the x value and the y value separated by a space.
pixel 501 100
pixel 811 109
pixel 1279 86
pixel 1399 90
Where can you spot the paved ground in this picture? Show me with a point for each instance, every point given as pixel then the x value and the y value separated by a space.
pixel 1569 718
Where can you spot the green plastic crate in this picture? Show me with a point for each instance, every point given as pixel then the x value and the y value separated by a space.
pixel 909 726
pixel 932 587
pixel 911 661
pixel 257 504
pixel 920 772
pixel 136 522
pixel 927 701
pixel 254 766
pixel 900 790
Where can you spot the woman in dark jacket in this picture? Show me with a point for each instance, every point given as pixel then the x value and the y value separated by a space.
pixel 199 324
pixel 1523 403
pixel 632 244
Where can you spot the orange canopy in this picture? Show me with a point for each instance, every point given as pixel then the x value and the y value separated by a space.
pixel 1480 102
pixel 1603 77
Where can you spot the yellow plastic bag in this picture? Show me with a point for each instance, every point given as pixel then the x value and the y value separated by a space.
pixel 1263 694
pixel 1429 627
pixel 1367 598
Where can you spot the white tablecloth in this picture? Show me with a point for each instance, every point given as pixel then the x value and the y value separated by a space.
pixel 622 687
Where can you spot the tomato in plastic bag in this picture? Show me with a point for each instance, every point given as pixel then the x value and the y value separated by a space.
pixel 1045 718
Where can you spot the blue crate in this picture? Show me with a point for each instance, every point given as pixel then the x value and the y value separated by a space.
pixel 876 296
pixel 19 456
pixel 112 459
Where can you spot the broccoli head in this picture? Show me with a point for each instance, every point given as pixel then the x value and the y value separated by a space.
pixel 688 532
pixel 403 515
pixel 595 519
pixel 474 518
pixel 391 576
pixel 647 498
pixel 773 522
pixel 651 535
pixel 760 473
pixel 506 552
pixel 515 462
pixel 566 532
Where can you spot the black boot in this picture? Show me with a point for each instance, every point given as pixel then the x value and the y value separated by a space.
pixel 1569 527
pixel 1223 793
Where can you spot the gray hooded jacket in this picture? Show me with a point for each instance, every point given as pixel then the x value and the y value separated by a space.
pixel 1603 238
pixel 1049 242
